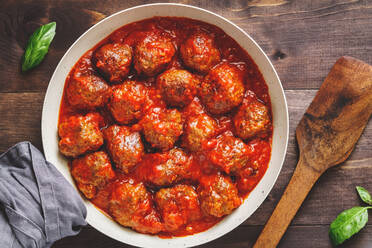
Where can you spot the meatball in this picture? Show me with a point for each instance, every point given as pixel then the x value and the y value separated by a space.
pixel 250 175
pixel 199 52
pixel 194 108
pixel 86 90
pixel 131 205
pixel 229 153
pixel 198 129
pixel 178 87
pixel 222 89
pixel 125 147
pixel 218 195
pixel 127 102
pixel 153 54
pixel 92 172
pixel 178 206
pixel 80 134
pixel 113 61
pixel 164 169
pixel 252 119
pixel 162 127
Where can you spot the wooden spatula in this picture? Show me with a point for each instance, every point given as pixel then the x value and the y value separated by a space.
pixel 326 135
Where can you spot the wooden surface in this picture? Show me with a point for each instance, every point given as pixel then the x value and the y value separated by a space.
pixel 302 38
pixel 326 135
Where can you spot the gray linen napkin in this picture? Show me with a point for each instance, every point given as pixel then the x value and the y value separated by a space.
pixel 37 205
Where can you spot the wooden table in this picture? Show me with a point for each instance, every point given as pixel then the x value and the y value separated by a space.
pixel 302 38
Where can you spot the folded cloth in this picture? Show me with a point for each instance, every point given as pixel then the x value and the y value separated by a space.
pixel 37 204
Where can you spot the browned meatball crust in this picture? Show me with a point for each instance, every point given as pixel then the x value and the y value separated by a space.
pixel 218 195
pixel 164 169
pixel 178 206
pixel 162 127
pixel 229 153
pixel 178 87
pixel 92 172
pixel 127 102
pixel 113 61
pixel 125 147
pixel 199 129
pixel 131 205
pixel 222 89
pixel 80 134
pixel 85 89
pixel 199 52
pixel 252 119
pixel 153 54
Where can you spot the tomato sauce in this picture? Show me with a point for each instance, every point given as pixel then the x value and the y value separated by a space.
pixel 179 29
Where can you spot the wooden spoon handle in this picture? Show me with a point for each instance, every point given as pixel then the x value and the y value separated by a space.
pixel 300 185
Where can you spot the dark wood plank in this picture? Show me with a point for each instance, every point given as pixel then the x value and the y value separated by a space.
pixel 20 118
pixel 303 38
pixel 241 237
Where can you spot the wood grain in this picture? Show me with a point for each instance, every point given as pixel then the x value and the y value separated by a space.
pixel 242 237
pixel 20 118
pixel 326 136
pixel 303 40
pixel 337 116
pixel 21 114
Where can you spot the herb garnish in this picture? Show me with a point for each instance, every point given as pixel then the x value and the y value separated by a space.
pixel 38 45
pixel 350 221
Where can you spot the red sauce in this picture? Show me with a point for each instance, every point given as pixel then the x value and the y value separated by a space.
pixel 179 29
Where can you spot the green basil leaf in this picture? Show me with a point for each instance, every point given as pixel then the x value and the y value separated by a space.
pixel 348 223
pixel 38 45
pixel 364 195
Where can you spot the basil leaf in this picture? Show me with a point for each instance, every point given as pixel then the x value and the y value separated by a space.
pixel 38 45
pixel 364 195
pixel 348 223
